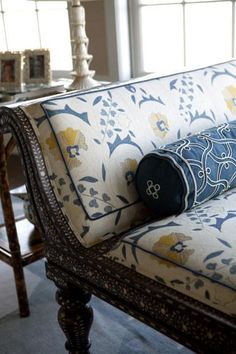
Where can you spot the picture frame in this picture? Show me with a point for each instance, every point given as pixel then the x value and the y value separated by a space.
pixel 36 68
pixel 10 71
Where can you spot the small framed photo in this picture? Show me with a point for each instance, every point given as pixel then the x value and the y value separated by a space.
pixel 10 71
pixel 37 66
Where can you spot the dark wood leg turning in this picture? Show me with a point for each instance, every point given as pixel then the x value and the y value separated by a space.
pixel 75 318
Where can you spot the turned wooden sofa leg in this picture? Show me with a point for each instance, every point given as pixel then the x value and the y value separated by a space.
pixel 75 318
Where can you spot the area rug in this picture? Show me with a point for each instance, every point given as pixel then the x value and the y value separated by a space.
pixel 112 332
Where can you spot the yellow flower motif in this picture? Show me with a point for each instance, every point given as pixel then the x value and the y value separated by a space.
pixel 230 98
pixel 71 142
pixel 43 146
pixel 129 167
pixel 159 124
pixel 174 248
pixel 53 147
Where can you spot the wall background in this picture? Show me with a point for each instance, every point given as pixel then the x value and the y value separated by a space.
pixel 97 33
pixel 107 28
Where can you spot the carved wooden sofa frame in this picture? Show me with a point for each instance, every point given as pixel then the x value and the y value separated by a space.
pixel 79 272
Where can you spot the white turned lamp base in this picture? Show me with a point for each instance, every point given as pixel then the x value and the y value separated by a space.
pixel 83 77
pixel 83 83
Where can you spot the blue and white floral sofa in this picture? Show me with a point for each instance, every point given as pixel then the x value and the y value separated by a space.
pixel 81 151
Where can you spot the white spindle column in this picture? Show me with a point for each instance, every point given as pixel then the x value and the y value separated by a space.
pixel 83 77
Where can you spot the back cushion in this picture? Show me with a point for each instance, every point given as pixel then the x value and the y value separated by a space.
pixel 93 141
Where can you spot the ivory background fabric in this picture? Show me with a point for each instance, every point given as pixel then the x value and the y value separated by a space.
pixel 93 141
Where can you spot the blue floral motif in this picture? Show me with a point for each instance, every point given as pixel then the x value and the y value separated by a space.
pixel 216 264
pixel 118 141
pixel 67 110
pixel 115 125
pixel 145 97
pixel 188 88
pixel 202 215
pixel 109 113
pixel 95 199
pixel 219 221
pixel 217 73
pixel 99 200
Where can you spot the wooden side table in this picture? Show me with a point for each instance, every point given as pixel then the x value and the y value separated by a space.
pixel 20 241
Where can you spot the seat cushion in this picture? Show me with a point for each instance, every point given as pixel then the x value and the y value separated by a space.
pixel 194 253
pixel 188 172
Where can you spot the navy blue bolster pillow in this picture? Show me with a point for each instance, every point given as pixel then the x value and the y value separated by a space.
pixel 188 172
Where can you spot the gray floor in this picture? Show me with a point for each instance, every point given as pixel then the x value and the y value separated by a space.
pixel 112 331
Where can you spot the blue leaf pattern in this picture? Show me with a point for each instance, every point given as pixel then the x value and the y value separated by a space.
pixel 67 110
pixel 103 173
pixel 97 100
pixel 225 243
pixel 118 141
pixel 116 126
pixel 123 199
pixel 89 179
pixel 213 255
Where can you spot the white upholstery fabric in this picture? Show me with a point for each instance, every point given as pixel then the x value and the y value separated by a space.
pixel 193 253
pixel 92 141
